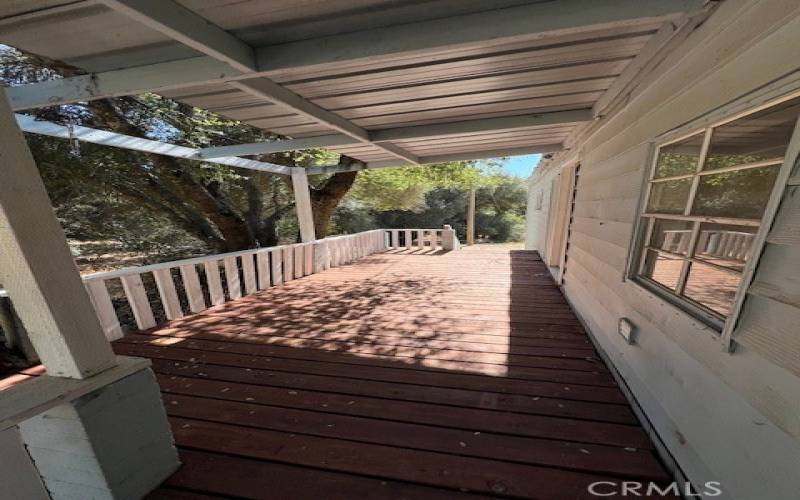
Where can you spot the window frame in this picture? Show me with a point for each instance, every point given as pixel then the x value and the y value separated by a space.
pixel 722 328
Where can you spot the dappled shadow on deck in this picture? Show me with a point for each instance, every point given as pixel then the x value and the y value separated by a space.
pixel 405 375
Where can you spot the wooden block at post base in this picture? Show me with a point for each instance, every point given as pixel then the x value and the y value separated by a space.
pixel 113 441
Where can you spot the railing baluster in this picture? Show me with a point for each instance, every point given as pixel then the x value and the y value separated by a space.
pixel 277 266
pixel 232 277
pixel 263 268
pixel 262 263
pixel 288 263
pixel 166 290
pixel 101 300
pixel 249 271
pixel 191 284
pixel 137 298
pixel 214 283
pixel 308 257
pixel 337 252
pixel 325 254
pixel 298 261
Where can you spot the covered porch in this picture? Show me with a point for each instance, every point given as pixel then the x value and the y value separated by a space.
pixel 409 373
pixel 382 364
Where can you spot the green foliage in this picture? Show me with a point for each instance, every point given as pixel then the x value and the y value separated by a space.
pixel 670 164
pixel 741 193
pixel 500 210
pixel 167 208
pixel 405 188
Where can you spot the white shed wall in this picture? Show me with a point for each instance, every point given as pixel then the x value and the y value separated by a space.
pixel 732 418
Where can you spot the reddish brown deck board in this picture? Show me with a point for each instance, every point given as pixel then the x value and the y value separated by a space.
pixel 180 365
pixel 366 352
pixel 536 405
pixel 349 366
pixel 218 474
pixel 563 454
pixel 404 375
pixel 477 419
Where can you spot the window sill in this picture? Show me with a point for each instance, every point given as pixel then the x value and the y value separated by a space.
pixel 713 324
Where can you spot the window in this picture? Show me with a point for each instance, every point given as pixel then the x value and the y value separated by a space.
pixel 705 202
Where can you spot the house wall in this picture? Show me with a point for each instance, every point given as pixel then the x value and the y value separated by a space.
pixel 727 417
pixel 540 186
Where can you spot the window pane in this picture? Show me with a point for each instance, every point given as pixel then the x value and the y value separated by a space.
pixel 725 245
pixel 712 287
pixel 671 235
pixel 679 158
pixel 664 269
pixel 757 137
pixel 669 197
pixel 741 194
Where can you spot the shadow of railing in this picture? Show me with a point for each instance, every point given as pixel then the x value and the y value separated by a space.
pixel 407 351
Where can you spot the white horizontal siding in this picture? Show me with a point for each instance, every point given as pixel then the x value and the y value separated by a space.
pixel 733 418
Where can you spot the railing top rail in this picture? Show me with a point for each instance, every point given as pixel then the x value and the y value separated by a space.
pixel 118 273
pixel 127 271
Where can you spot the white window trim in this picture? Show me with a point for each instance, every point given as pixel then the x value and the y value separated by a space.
pixel 782 90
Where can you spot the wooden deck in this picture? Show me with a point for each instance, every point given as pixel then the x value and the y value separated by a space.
pixel 405 375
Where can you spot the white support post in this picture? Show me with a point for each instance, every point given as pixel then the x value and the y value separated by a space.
pixel 77 409
pixel 449 239
pixel 471 218
pixel 302 201
pixel 37 269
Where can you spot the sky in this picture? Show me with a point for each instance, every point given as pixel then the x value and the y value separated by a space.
pixel 521 166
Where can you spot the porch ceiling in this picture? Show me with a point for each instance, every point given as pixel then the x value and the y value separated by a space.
pixel 357 67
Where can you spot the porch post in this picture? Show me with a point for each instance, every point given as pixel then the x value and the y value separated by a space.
pixel 37 269
pixel 94 426
pixel 302 201
pixel 471 218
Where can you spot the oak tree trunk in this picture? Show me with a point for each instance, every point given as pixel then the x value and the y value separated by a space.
pixel 326 197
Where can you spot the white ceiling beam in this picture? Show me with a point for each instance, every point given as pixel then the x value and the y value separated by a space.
pixel 404 133
pixel 651 48
pixel 187 27
pixel 86 134
pixel 256 148
pixel 36 14
pixel 482 125
pixel 183 25
pixel 538 20
pixel 271 91
pixel 138 80
pixel 429 160
pixel 492 153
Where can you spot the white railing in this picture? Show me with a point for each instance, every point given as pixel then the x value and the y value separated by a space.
pixel 717 243
pixel 734 245
pixel 431 239
pixel 215 279
pixel 241 273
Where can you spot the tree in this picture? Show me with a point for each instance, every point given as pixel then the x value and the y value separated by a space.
pixel 405 188
pixel 436 195
pixel 227 208
pixel 147 200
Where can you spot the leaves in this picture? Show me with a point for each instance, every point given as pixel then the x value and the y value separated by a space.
pixel 404 188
